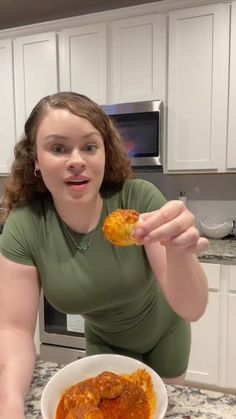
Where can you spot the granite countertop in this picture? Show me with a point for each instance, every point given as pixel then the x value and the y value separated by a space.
pixel 183 402
pixel 220 251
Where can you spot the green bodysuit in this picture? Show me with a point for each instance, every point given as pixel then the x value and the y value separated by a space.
pixel 113 287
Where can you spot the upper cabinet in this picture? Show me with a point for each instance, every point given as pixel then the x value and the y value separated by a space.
pixel 35 69
pixel 83 61
pixel 231 154
pixel 184 57
pixel 7 112
pixel 138 59
pixel 198 88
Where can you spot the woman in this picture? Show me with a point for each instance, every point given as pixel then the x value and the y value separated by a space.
pixel 70 171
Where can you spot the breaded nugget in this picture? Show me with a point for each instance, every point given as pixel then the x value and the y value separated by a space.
pixel 82 393
pixel 118 227
pixel 109 384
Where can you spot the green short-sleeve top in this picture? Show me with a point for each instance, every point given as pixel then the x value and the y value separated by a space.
pixel 113 287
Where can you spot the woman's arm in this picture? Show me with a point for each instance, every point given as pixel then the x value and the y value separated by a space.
pixel 19 298
pixel 171 241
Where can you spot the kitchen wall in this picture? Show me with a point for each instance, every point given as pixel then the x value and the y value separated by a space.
pixel 207 194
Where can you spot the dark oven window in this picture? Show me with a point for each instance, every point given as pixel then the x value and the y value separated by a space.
pixel 139 132
pixel 56 322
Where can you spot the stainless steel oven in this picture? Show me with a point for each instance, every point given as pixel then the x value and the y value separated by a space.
pixel 62 337
pixel 141 127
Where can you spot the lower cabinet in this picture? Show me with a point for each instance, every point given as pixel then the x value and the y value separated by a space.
pixel 231 330
pixel 212 358
pixel 36 337
pixel 204 357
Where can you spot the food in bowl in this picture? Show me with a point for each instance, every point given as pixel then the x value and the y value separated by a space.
pixel 91 366
pixel 110 396
pixel 85 412
pixel 118 227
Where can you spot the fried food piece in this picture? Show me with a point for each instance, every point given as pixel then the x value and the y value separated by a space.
pixel 109 384
pixel 118 227
pixel 82 393
pixel 86 411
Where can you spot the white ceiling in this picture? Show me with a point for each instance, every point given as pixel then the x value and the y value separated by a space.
pixel 15 13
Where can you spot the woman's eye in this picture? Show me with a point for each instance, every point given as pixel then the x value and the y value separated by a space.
pixel 91 148
pixel 58 148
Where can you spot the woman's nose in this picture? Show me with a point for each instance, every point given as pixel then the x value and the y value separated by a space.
pixel 75 160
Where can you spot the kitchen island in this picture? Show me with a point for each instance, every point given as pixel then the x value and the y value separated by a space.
pixel 183 402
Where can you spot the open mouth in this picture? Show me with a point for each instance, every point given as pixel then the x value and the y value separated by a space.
pixel 77 182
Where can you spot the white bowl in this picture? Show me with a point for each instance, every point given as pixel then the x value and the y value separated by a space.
pixel 90 366
pixel 216 229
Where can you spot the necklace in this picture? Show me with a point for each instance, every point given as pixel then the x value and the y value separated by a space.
pixel 78 246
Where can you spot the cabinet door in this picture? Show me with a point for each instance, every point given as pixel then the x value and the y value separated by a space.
pixel 204 358
pixel 36 337
pixel 83 61
pixel 198 88
pixel 231 353
pixel 35 68
pixel 7 116
pixel 138 57
pixel 231 151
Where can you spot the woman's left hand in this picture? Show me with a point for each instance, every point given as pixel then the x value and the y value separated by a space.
pixel 173 225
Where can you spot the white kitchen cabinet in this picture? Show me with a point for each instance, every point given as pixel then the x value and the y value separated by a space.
pixel 212 358
pixel 83 61
pixel 198 88
pixel 7 111
pixel 231 148
pixel 36 337
pixel 231 330
pixel 35 70
pixel 138 59
pixel 205 351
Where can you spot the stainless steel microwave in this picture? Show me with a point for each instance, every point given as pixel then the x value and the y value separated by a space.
pixel 140 125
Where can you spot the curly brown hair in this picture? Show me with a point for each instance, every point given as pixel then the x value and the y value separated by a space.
pixel 23 186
